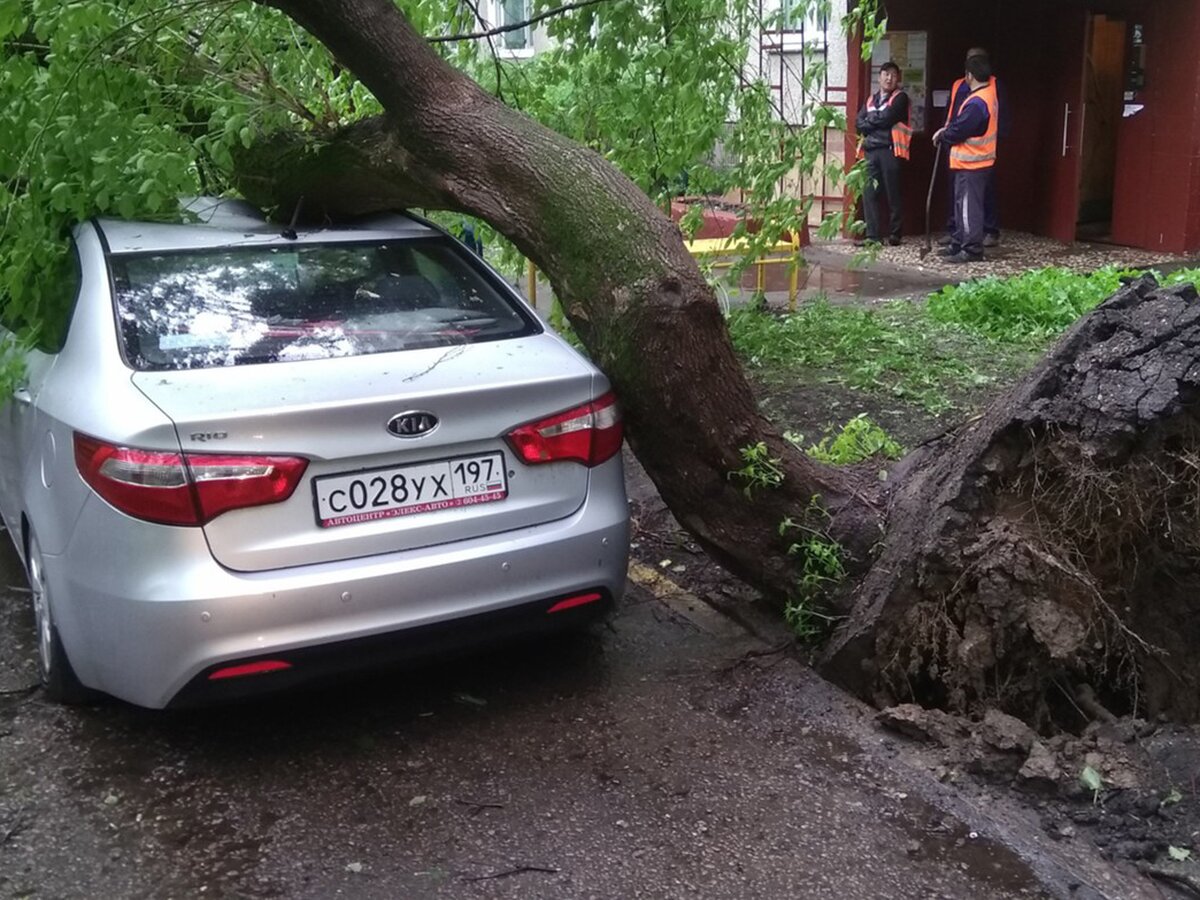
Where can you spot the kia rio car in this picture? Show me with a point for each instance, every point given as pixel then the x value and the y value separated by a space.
pixel 244 458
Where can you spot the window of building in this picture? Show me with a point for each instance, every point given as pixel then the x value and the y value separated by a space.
pixel 512 12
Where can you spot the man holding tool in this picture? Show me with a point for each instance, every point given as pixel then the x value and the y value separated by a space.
pixel 959 92
pixel 971 139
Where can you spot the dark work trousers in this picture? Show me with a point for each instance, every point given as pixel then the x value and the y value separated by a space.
pixel 970 186
pixel 883 177
pixel 991 215
pixel 991 212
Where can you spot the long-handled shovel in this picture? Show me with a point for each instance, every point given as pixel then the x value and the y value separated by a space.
pixel 937 164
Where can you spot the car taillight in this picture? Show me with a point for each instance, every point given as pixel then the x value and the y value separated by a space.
pixel 589 434
pixel 183 489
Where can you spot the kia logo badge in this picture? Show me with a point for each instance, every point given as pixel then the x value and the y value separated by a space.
pixel 412 424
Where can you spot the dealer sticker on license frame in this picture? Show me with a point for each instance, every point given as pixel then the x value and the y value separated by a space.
pixel 409 490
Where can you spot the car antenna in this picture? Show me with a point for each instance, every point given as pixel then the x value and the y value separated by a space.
pixel 290 231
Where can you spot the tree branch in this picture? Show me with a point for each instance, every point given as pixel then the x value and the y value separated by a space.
pixel 358 170
pixel 515 26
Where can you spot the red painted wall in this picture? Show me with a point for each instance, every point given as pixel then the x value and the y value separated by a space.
pixel 1157 197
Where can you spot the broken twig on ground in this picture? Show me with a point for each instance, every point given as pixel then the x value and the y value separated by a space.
pixel 519 870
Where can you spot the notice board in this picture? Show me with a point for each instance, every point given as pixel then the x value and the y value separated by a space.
pixel 908 50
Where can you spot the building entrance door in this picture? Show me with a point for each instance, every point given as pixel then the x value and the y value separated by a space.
pixel 1103 76
pixel 1061 150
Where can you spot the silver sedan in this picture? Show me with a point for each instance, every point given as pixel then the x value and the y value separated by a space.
pixel 243 458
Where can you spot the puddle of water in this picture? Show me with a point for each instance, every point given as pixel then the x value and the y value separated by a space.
pixel 943 839
pixel 830 280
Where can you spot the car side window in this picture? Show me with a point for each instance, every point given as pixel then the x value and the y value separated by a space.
pixel 60 292
pixel 60 303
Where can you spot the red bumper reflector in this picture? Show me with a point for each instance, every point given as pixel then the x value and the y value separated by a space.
pixel 254 668
pixel 573 601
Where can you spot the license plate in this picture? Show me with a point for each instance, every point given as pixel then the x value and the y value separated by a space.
pixel 409 490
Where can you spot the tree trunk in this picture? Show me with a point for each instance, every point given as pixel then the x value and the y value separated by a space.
pixel 1047 547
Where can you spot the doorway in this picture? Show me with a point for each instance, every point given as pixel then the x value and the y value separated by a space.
pixel 1103 79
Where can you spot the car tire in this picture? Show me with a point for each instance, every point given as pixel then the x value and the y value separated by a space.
pixel 59 680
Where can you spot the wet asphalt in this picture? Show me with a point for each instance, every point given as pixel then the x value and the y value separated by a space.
pixel 664 754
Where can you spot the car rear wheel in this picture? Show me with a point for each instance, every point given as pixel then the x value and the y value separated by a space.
pixel 58 678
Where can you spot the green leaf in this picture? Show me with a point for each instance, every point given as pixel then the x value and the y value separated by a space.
pixel 1091 779
pixel 1179 854
pixel 12 18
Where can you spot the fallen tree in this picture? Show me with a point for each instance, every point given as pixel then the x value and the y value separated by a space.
pixel 1040 558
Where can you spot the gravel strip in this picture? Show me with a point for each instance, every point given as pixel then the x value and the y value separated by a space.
pixel 1018 252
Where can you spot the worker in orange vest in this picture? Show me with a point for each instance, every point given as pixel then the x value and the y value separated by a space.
pixel 991 214
pixel 885 127
pixel 970 138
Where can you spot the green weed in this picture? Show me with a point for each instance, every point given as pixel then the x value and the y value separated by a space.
pixel 558 321
pixel 760 471
pixel 821 570
pixel 1182 276
pixel 858 439
pixel 1031 307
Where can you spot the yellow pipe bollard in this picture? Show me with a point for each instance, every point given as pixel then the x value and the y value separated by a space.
pixel 718 247
pixel 794 274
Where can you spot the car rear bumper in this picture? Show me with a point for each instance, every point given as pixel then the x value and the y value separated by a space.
pixel 378 652
pixel 143 610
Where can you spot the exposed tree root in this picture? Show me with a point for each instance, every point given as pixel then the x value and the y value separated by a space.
pixel 1055 541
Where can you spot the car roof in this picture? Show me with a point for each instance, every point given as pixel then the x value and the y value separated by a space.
pixel 235 223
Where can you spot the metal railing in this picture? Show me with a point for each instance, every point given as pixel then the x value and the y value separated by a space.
pixel 724 253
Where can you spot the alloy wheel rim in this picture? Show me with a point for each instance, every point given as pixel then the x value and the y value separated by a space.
pixel 41 610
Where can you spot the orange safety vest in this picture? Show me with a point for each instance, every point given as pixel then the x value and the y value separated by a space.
pixel 979 152
pixel 901 131
pixel 954 93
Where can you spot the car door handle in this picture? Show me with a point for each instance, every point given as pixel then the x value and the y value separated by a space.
pixel 22 396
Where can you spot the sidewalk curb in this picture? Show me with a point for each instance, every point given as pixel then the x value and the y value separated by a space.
pixel 696 611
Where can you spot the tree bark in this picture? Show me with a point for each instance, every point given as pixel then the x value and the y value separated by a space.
pixel 1043 551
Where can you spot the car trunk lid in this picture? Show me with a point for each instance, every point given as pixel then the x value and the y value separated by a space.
pixel 442 473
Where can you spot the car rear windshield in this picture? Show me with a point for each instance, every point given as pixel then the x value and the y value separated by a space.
pixel 227 307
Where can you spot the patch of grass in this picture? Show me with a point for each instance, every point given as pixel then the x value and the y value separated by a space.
pixel 859 439
pixel 1181 276
pixel 1031 307
pixel 894 349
